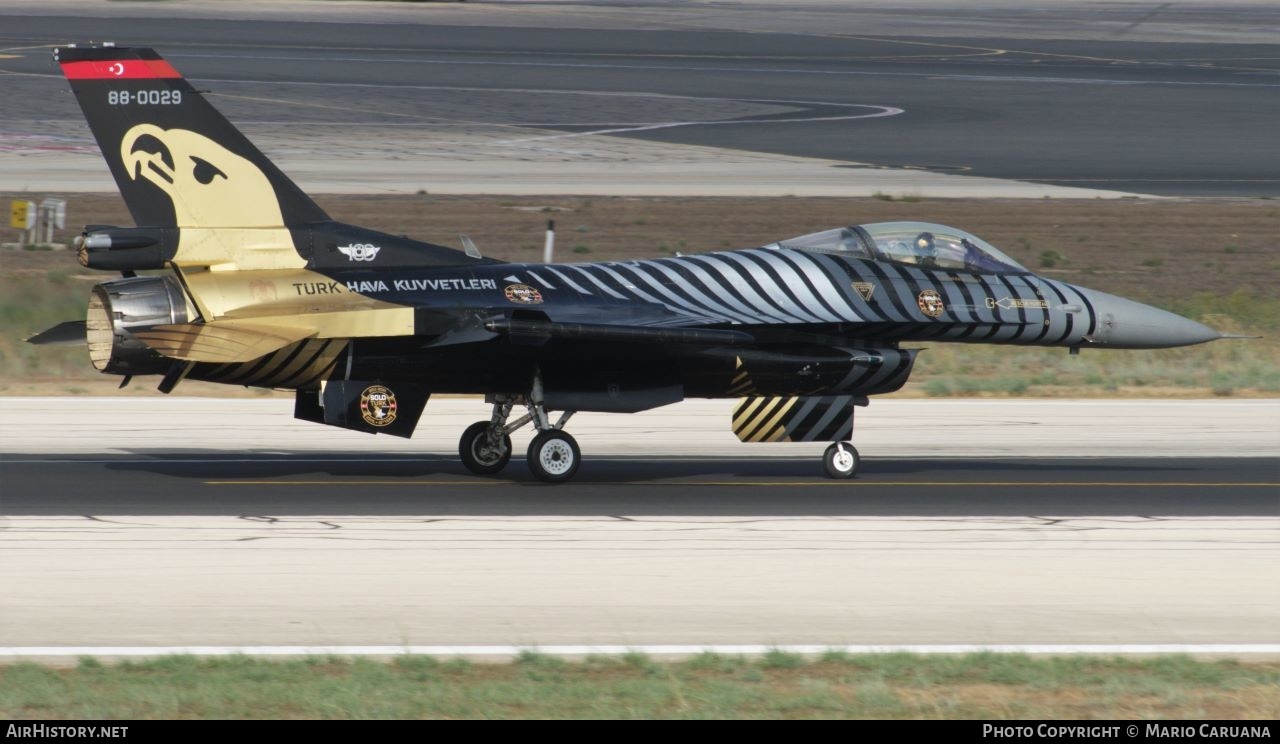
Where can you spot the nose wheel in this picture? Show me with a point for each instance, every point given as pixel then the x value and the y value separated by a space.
pixel 841 460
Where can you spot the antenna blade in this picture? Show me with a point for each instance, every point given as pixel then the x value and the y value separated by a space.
pixel 469 246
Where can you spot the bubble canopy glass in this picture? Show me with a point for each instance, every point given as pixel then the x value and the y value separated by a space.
pixel 923 244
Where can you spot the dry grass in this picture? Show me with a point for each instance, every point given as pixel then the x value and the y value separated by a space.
pixel 1146 249
pixel 980 686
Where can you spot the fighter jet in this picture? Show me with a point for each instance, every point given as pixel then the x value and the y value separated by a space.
pixel 260 287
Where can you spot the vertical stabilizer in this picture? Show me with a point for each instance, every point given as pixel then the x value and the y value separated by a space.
pixel 177 161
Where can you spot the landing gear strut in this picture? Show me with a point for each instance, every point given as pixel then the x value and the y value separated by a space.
pixel 841 460
pixel 553 456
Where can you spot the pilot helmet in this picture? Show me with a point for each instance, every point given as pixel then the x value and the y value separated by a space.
pixel 924 244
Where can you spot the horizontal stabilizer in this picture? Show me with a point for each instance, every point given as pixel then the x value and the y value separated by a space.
pixel 70 332
pixel 223 342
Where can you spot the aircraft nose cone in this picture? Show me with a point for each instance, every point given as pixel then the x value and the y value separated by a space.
pixel 1125 324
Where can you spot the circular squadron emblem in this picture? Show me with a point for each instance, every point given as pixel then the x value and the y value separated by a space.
pixel 523 294
pixel 378 406
pixel 930 303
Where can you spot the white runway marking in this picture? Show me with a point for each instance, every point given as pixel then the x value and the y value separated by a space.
pixel 880 112
pixel 195 429
pixel 189 460
pixel 712 68
pixel 501 652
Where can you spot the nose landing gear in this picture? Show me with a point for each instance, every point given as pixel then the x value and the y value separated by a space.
pixel 841 460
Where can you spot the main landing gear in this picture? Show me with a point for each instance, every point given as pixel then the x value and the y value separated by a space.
pixel 553 455
pixel 841 460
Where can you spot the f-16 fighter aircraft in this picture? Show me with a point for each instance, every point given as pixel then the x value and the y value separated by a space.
pixel 262 288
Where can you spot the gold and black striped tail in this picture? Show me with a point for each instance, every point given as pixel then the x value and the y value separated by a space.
pixel 297 366
pixel 815 418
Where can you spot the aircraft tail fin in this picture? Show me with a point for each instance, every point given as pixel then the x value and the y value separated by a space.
pixel 177 161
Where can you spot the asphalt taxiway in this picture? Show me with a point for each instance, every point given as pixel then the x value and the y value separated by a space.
pixel 187 522
pixel 815 99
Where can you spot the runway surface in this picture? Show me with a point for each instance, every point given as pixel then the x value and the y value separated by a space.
pixel 1114 106
pixel 193 522
pixel 333 483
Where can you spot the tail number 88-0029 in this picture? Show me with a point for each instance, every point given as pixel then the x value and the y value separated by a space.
pixel 144 97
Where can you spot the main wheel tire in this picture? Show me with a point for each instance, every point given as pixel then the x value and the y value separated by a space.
pixel 841 460
pixel 554 456
pixel 478 454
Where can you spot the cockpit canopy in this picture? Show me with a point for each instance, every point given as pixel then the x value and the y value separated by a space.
pixel 922 244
